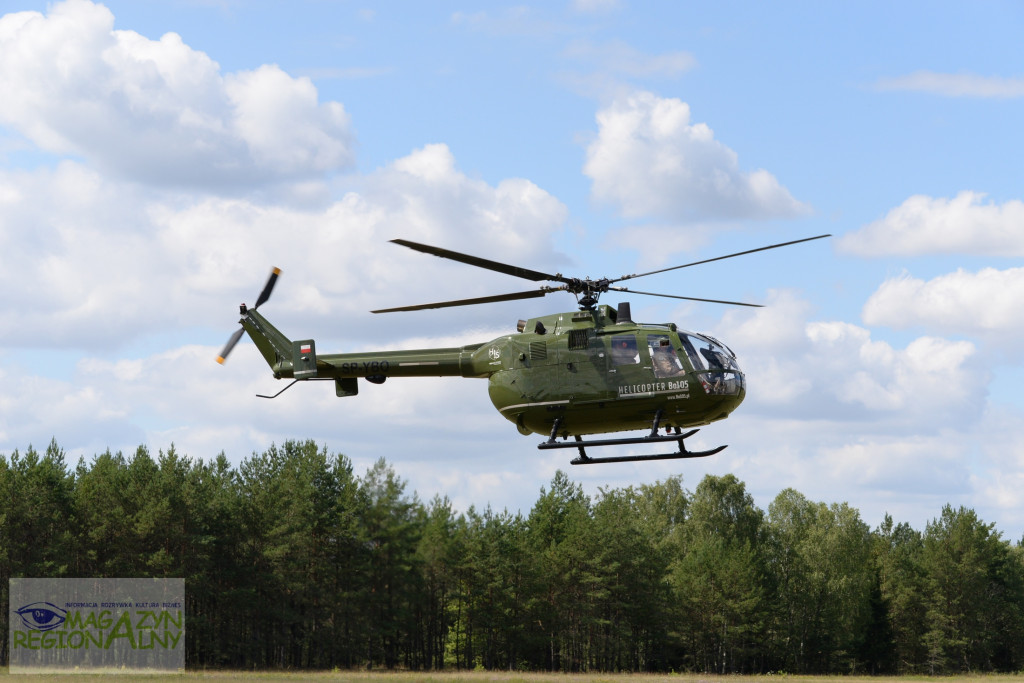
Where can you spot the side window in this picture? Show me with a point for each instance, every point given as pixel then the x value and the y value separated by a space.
pixel 664 359
pixel 624 350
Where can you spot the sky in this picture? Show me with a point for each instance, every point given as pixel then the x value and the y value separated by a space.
pixel 158 158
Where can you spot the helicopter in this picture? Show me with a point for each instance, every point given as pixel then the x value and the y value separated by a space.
pixel 581 373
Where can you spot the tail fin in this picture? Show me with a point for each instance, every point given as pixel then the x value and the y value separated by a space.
pixel 285 357
pixel 274 346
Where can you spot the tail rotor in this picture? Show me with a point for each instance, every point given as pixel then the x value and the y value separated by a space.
pixel 260 300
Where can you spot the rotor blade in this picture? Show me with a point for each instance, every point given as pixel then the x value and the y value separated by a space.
pixel 719 258
pixel 268 288
pixel 230 345
pixel 479 300
pixel 687 298
pixel 516 271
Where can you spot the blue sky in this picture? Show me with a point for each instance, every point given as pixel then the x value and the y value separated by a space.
pixel 157 158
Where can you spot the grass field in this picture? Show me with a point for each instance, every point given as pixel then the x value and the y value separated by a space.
pixel 487 677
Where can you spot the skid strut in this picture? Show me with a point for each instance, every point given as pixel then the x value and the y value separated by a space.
pixel 580 444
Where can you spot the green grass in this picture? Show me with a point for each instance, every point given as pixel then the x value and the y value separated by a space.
pixel 484 677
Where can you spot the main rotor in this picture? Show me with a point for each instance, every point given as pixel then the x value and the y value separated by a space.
pixel 586 291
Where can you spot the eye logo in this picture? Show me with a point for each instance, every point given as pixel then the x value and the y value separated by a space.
pixel 41 616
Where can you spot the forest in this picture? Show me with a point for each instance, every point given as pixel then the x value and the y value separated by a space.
pixel 292 560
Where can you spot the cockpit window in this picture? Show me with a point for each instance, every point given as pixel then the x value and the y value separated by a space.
pixel 663 356
pixel 705 354
pixel 624 350
pixel 715 364
pixel 690 345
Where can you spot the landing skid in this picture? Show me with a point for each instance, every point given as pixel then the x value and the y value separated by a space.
pixel 653 437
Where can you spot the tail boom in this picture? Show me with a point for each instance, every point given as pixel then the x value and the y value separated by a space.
pixel 299 360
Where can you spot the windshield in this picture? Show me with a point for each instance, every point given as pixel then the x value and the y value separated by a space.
pixel 714 363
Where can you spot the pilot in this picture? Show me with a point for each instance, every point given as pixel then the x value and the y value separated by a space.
pixel 665 362
pixel 624 351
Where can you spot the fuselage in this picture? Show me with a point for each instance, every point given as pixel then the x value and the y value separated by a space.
pixel 601 376
pixel 589 369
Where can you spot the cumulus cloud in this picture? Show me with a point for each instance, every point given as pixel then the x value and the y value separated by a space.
pixel 910 476
pixel 432 197
pixel 985 304
pixel 955 85
pixel 125 264
pixel 938 225
pixel 34 409
pixel 93 262
pixel 907 465
pixel 650 160
pixel 999 474
pixel 158 111
pixel 836 371
pixel 839 414
pixel 181 396
pixel 916 381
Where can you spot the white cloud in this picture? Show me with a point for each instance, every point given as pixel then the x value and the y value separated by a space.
pixel 74 258
pixel 955 85
pixel 618 57
pixel 925 381
pixel 836 371
pixel 34 409
pixel 136 283
pixel 92 262
pixel 843 416
pixel 998 476
pixel 986 304
pixel 776 327
pixel 597 6
pixel 181 396
pixel 651 161
pixel 158 111
pixel 928 225
pixel 657 244
pixel 909 475
pixel 517 20
pixel 348 73
pixel 431 198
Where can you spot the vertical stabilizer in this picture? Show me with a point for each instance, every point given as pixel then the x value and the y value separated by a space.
pixel 274 346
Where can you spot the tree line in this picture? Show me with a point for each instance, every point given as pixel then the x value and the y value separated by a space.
pixel 291 560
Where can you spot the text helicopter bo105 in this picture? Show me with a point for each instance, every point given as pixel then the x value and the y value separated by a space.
pixel 591 371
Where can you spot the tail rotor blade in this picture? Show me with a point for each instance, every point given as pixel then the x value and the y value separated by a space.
pixel 230 345
pixel 262 299
pixel 268 288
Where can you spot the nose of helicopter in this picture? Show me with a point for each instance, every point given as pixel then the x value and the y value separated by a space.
pixel 727 393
